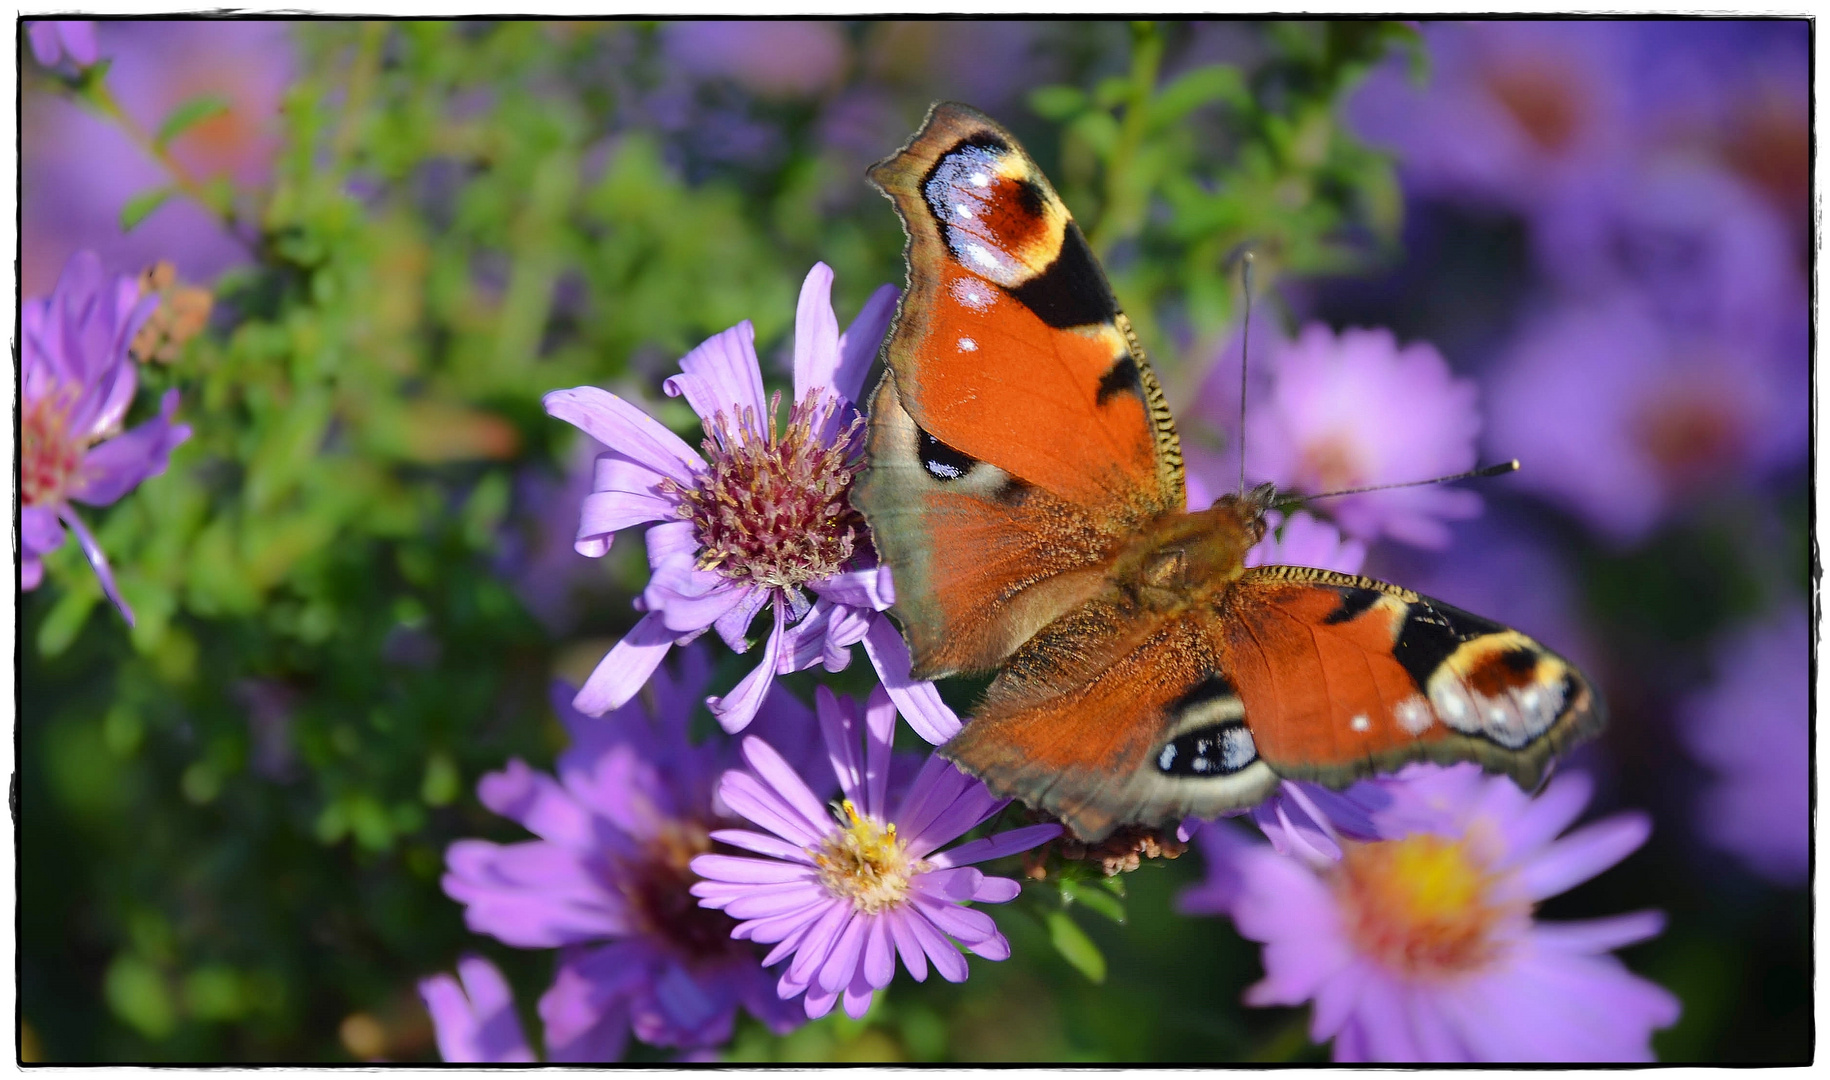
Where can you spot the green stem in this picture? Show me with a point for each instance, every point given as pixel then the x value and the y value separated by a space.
pixel 1124 207
pixel 97 94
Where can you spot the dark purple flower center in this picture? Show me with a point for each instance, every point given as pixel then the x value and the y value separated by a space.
pixel 658 888
pixel 774 509
pixel 49 454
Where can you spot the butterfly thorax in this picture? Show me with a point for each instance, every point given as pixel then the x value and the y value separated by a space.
pixel 1185 559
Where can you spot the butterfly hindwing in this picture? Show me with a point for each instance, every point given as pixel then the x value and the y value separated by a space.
pixel 1008 339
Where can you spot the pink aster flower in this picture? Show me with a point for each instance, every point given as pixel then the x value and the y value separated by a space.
pixel 759 523
pixel 1349 410
pixel 607 879
pixel 77 383
pixel 475 1019
pixel 1751 728
pixel 844 892
pixel 1423 947
pixel 52 40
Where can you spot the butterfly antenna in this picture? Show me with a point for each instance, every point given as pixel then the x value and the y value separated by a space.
pixel 1500 469
pixel 1245 351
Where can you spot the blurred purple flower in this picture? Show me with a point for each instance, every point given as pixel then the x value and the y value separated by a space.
pixel 77 383
pixel 1350 410
pixel 607 879
pixel 536 554
pixel 1522 115
pixel 77 169
pixel 844 895
pixel 758 523
pixel 475 1021
pixel 1424 948
pixel 1751 728
pixel 771 57
pixel 1622 419
pixel 53 40
pixel 1302 540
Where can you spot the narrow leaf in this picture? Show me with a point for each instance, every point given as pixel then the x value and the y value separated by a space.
pixel 189 115
pixel 1095 898
pixel 1057 102
pixel 1075 947
pixel 138 207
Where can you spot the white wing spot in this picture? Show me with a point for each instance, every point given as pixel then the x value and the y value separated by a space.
pixel 979 179
pixel 1414 715
pixel 962 210
pixel 1359 723
pixel 966 344
pixel 981 255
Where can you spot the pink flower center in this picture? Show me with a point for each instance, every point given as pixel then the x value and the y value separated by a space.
pixel 1422 905
pixel 775 510
pixel 865 862
pixel 50 455
pixel 657 886
pixel 1691 433
pixel 1330 463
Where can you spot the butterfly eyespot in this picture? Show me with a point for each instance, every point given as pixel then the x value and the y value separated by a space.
pixel 1218 750
pixel 941 461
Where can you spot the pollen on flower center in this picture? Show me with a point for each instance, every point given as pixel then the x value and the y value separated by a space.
pixel 49 456
pixel 1421 905
pixel 865 862
pixel 1331 464
pixel 775 510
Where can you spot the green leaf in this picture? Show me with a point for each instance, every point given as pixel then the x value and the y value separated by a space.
pixel 137 993
pixel 1095 898
pixel 1193 89
pixel 188 115
pixel 1057 102
pixel 138 207
pixel 1075 946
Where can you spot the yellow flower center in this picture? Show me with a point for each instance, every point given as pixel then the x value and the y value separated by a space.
pixel 865 862
pixel 1422 905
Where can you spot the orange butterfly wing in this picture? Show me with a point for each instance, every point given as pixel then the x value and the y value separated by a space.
pixel 1008 339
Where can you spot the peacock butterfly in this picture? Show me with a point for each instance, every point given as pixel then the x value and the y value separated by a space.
pixel 1025 488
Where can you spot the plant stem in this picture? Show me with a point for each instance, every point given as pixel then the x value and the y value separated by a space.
pixel 1124 207
pixel 97 94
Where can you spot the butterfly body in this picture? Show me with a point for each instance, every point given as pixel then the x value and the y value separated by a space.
pixel 1025 489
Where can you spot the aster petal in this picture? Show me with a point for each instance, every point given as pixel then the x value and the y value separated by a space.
pixel 625 667
pixel 477 1023
pixel 605 513
pixel 78 36
pixel 956 885
pixel 734 624
pixel 1382 1019
pixel 997 890
pixel 853 588
pixel 586 1010
pixel 1435 1036
pixel 48 50
pixel 819 1002
pixel 1337 997
pixel 919 702
pixel 945 956
pixel 879 965
pixel 969 808
pixel 39 530
pixel 995 847
pixel 802 897
pixel 625 429
pixel 821 940
pixel 787 932
pixel 1599 935
pixel 816 334
pixel 722 375
pixel 762 844
pixel 539 803
pixel 1583 854
pixel 763 805
pixel 838 730
pixel 532 895
pixel 690 599
pixel 858 996
pixel 97 560
pixel 117 466
pixel 669 543
pixel 742 868
pixel 908 944
pixel 859 344
pixel 841 965
pixel 1539 821
pixel 937 788
pixel 964 924
pixel 736 709
pixel 994 947
pixel 879 741
pixel 31 572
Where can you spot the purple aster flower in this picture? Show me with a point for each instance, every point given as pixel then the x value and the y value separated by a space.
pixel 475 1020
pixel 760 522
pixel 1303 540
pixel 52 40
pixel 1751 728
pixel 1350 410
pixel 77 383
pixel 607 879
pixel 1623 419
pixel 843 893
pixel 774 58
pixel 1423 947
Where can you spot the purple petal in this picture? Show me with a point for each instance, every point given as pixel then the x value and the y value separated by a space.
pixel 79 40
pixel 838 727
pixel 625 429
pixel 475 1024
pixel 919 702
pixel 762 844
pixel 605 513
pixel 816 335
pixel 735 623
pixel 854 588
pixel 956 885
pixel 722 375
pixel 879 740
pixel 39 531
pixel 908 943
pixel 774 770
pixel 532 895
pixel 995 847
pixel 803 899
pixel 671 542
pixel 819 1002
pixel 841 964
pixel 991 948
pixel 1599 935
pixel 536 800
pixel 859 344
pixel 1583 854
pixel 743 869
pixel 858 996
pixel 763 805
pixel 879 953
pixel 117 466
pixel 1539 821
pixel 586 1010
pixel 31 572
pixel 997 890
pixel 736 709
pixel 690 599
pixel 788 931
pixel 626 667
pixel 971 806
pixel 944 955
pixel 820 942
pixel 48 50
pixel 964 924
pixel 97 561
